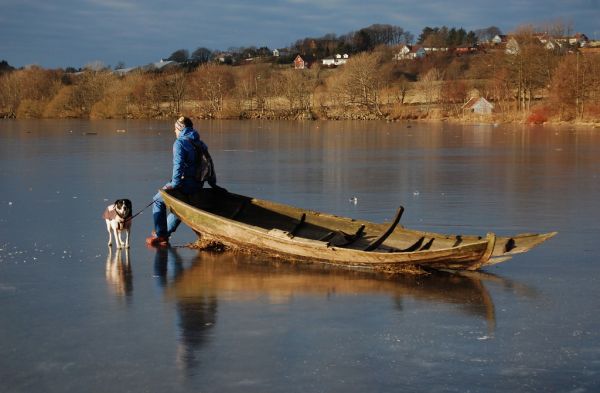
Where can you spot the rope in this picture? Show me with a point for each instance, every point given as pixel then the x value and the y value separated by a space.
pixel 138 213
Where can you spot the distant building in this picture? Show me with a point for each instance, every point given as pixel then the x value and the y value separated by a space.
pixel 123 71
pixel 409 52
pixel 302 62
pixel 478 105
pixel 435 49
pixel 336 60
pixel 512 47
pixel 579 39
pixel 500 39
pixel 161 65
pixel 465 49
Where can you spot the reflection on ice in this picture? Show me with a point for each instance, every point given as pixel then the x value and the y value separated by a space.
pixel 118 272
pixel 197 288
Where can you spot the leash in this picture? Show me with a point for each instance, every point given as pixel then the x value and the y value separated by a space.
pixel 138 213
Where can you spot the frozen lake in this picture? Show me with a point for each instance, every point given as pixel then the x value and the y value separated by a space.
pixel 75 317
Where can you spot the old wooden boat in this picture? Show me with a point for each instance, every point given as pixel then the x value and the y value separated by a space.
pixel 278 230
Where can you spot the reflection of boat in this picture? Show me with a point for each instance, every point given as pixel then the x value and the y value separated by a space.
pixel 287 232
pixel 238 277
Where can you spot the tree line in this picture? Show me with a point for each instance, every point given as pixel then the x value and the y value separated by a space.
pixel 534 83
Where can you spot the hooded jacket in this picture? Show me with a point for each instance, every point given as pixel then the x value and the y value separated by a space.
pixel 184 162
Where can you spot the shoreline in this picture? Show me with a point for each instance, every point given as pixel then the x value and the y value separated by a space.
pixel 460 121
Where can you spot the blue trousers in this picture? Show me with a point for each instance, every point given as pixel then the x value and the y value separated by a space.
pixel 164 224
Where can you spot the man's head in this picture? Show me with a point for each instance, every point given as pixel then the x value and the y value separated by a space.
pixel 182 123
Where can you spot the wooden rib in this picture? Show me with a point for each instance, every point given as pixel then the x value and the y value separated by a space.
pixel 327 236
pixel 415 246
pixel 241 207
pixel 510 244
pixel 487 254
pixel 427 245
pixel 294 231
pixel 377 242
pixel 352 238
pixel 459 240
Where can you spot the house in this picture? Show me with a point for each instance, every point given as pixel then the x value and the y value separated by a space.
pixel 124 71
pixel 275 52
pixel 299 63
pixel 553 45
pixel 336 60
pixel 465 49
pixel 302 62
pixel 500 39
pixel 478 105
pixel 162 64
pixel 512 47
pixel 402 53
pixel 409 52
pixel 579 39
pixel 435 49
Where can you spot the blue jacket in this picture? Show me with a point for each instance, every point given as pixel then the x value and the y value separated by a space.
pixel 184 162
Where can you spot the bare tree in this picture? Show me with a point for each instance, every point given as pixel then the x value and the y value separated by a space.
pixel 453 95
pixel 201 55
pixel 297 88
pixel 174 86
pixel 211 83
pixel 361 81
pixel 89 88
pixel 180 56
pixel 10 94
pixel 429 85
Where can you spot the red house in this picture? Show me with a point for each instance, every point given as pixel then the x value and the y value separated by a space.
pixel 299 63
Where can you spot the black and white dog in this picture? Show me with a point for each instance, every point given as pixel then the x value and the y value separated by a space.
pixel 118 219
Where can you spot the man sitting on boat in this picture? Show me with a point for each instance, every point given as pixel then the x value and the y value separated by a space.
pixel 192 166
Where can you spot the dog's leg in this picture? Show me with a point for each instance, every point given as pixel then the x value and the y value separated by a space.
pixel 127 237
pixel 118 238
pixel 109 229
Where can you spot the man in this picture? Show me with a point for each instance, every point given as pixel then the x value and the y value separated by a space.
pixel 185 179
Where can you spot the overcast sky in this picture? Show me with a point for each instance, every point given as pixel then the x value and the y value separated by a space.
pixel 61 33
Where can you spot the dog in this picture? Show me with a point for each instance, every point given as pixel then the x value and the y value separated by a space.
pixel 118 220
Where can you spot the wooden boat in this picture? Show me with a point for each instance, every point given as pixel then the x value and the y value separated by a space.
pixel 282 231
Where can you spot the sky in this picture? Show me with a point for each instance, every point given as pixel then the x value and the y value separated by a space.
pixel 73 33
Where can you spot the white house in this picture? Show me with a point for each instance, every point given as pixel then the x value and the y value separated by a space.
pixel 499 39
pixel 409 52
pixel 403 53
pixel 336 60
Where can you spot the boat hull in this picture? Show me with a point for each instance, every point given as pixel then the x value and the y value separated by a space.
pixel 286 232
